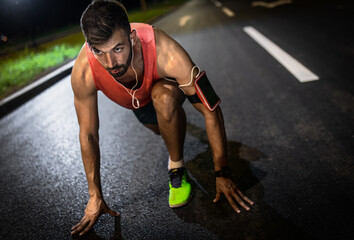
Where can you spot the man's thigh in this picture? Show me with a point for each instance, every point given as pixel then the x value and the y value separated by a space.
pixel 147 114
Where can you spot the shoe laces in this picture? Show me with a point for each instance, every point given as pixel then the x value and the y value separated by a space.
pixel 176 176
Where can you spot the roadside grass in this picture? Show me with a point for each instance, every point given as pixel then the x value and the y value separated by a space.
pixel 20 68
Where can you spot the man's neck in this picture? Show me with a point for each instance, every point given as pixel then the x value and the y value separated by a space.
pixel 129 79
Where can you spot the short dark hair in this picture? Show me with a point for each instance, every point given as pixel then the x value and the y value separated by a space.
pixel 101 18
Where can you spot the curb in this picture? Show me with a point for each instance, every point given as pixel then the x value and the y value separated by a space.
pixel 15 100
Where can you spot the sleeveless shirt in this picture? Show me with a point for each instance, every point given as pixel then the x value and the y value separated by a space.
pixel 106 83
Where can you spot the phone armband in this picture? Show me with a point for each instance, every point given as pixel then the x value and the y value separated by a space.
pixel 205 92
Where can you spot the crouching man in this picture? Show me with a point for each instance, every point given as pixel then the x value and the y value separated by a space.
pixel 141 68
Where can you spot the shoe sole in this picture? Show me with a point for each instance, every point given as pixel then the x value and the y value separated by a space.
pixel 182 204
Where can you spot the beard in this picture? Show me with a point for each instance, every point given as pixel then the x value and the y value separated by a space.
pixel 123 68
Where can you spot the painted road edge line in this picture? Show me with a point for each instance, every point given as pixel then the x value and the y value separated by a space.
pixel 217 3
pixel 228 12
pixel 299 71
pixel 183 20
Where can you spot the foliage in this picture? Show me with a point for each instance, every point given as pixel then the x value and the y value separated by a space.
pixel 19 71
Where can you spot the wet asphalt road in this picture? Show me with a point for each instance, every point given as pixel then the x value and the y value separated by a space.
pixel 290 144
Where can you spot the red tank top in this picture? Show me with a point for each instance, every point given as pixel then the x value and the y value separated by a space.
pixel 115 91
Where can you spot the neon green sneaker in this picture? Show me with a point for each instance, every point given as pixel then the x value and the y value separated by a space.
pixel 180 188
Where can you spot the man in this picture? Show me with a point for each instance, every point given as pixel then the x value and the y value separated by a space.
pixel 133 65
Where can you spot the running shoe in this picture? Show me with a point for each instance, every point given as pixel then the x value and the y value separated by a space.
pixel 180 189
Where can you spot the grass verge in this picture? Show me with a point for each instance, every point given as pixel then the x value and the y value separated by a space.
pixel 20 68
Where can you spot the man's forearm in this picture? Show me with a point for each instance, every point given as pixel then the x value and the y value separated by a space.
pixel 214 123
pixel 91 159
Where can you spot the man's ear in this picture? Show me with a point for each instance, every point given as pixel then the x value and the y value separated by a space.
pixel 133 36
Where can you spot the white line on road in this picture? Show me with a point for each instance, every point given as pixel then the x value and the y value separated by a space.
pixel 271 4
pixel 296 68
pixel 228 12
pixel 183 21
pixel 217 3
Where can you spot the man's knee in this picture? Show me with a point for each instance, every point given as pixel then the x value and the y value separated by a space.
pixel 165 102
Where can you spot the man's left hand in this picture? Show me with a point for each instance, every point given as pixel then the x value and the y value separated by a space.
pixel 232 193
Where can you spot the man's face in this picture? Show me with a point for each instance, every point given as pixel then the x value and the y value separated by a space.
pixel 116 54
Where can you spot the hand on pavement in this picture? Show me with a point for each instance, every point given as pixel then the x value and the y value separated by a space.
pixel 229 188
pixel 94 209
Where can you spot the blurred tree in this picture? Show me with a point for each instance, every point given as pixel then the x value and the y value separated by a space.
pixel 143 5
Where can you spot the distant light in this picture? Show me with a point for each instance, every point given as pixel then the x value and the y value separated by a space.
pixel 3 38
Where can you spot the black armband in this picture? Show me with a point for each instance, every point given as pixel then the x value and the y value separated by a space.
pixel 204 93
pixel 194 99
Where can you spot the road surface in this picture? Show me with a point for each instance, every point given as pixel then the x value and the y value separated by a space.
pixel 290 143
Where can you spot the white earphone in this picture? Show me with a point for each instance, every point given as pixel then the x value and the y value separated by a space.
pixel 132 40
pixel 132 91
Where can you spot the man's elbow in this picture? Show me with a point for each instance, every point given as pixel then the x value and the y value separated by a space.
pixel 88 138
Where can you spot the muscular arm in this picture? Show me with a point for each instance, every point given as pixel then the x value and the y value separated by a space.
pixel 214 123
pixel 85 100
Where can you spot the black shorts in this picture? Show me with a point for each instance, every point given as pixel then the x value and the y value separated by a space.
pixel 146 114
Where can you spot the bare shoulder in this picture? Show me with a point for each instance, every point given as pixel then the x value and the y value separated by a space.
pixel 172 58
pixel 81 76
pixel 163 40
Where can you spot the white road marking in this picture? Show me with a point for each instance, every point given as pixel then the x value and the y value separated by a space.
pixel 228 12
pixel 271 4
pixel 291 64
pixel 218 4
pixel 183 21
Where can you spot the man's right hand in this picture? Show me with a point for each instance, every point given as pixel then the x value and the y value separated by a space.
pixel 94 209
